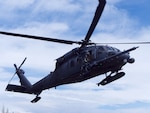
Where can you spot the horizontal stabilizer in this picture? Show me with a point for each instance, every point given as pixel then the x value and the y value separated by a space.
pixel 16 88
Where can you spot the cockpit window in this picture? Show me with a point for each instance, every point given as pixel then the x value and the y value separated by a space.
pixel 112 48
pixel 108 48
pixel 101 48
pixel 117 50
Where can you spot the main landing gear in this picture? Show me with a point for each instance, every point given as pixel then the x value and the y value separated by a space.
pixel 110 78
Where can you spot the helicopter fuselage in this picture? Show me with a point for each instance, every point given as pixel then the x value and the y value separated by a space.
pixel 87 63
pixel 84 63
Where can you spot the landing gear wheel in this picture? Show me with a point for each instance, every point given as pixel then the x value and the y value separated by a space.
pixel 36 99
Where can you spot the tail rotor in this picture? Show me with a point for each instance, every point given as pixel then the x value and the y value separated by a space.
pixel 17 68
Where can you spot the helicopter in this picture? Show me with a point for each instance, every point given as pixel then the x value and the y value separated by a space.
pixel 82 63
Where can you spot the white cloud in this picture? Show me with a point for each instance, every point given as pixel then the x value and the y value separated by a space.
pixel 15 4
pixel 10 7
pixel 53 5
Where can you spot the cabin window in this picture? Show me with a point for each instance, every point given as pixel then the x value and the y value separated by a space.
pixel 88 56
pixel 72 63
pixel 79 59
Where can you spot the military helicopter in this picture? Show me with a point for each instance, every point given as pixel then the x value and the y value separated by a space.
pixel 82 63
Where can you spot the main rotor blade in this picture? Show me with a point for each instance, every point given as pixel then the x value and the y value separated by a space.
pixel 95 20
pixel 40 38
pixel 125 43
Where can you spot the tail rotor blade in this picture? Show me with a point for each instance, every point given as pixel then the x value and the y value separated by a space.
pixel 17 69
pixel 13 74
pixel 11 78
pixel 15 66
pixel 22 62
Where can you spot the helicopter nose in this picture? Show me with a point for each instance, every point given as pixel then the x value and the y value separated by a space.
pixel 127 59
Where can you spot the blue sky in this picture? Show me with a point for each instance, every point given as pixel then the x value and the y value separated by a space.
pixel 137 9
pixel 122 21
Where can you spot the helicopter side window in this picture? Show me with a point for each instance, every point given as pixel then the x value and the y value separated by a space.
pixel 79 59
pixel 88 56
pixel 72 63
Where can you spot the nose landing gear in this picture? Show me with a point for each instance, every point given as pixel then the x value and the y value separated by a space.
pixel 110 78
